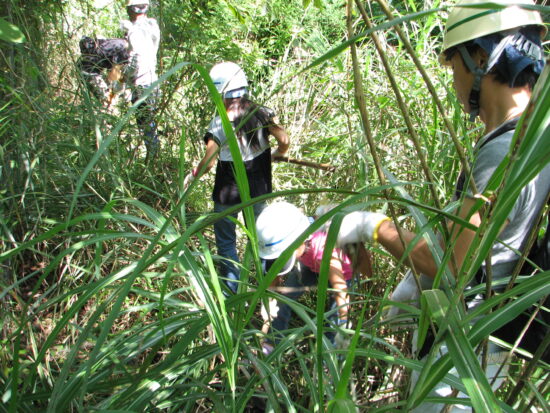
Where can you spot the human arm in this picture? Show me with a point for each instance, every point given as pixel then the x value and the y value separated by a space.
pixel 205 164
pixel 362 226
pixel 283 141
pixel 338 283
pixel 460 238
pixel 209 158
pixel 341 298
pixel 361 259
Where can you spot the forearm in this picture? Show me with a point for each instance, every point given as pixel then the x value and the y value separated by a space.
pixel 338 283
pixel 208 160
pixel 342 302
pixel 420 256
pixel 203 167
pixel 283 141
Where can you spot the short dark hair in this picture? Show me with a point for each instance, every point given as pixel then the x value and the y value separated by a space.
pixel 527 77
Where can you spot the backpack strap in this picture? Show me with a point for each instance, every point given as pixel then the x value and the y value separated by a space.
pixel 501 130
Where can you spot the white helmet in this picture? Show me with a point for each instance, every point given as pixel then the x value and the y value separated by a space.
pixel 278 226
pixel 467 23
pixel 473 24
pixel 137 3
pixel 229 79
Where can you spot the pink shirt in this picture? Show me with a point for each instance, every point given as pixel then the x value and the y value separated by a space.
pixel 313 255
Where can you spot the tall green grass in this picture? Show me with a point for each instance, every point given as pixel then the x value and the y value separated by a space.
pixel 111 300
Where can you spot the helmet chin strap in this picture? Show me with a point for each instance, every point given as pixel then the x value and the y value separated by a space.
pixel 478 73
pixel 514 38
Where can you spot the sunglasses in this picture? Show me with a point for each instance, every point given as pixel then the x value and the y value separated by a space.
pixel 138 8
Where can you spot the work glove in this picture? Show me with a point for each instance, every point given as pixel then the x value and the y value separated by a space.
pixel 271 312
pixel 276 154
pixel 189 179
pixel 360 226
pixel 342 340
pixel 267 349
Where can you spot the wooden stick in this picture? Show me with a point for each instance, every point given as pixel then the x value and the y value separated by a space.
pixel 302 162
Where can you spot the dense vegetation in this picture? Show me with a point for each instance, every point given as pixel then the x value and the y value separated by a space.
pixel 110 298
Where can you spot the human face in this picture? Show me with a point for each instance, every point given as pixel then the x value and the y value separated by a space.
pixel 463 81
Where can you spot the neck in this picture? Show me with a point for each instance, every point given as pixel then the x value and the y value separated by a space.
pixel 502 103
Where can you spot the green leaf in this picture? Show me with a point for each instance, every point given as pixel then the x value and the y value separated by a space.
pixel 461 352
pixel 531 290
pixel 10 32
pixel 341 406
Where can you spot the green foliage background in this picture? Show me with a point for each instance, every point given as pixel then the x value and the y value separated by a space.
pixel 110 296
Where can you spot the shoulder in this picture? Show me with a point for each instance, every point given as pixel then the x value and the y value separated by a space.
pixel 265 115
pixel 494 150
pixel 215 128
pixel 317 241
pixel 487 157
pixel 214 122
pixel 152 22
pixel 266 112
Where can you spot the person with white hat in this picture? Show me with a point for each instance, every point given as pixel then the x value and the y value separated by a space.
pixel 143 35
pixel 496 56
pixel 278 226
pixel 253 125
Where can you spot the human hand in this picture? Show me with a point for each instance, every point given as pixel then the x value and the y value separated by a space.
pixel 277 154
pixel 342 340
pixel 360 226
pixel 189 179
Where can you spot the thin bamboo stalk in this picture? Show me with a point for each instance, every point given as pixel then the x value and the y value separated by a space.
pixel 529 370
pixel 401 103
pixel 544 388
pixel 365 121
pixel 405 111
pixel 431 89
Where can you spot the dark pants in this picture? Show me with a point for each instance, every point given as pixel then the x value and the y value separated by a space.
pixel 226 241
pixel 145 118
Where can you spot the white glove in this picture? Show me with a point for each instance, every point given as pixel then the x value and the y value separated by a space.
pixel 267 349
pixel 359 226
pixel 189 179
pixel 117 86
pixel 275 154
pixel 342 340
pixel 271 312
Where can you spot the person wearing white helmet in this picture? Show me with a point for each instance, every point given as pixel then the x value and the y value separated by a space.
pixel 143 35
pixel 496 57
pixel 278 226
pixel 253 125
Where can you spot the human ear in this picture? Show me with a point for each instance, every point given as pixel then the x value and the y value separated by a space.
pixel 480 57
